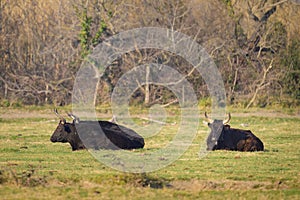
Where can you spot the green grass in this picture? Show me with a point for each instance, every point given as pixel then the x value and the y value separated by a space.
pixel 31 167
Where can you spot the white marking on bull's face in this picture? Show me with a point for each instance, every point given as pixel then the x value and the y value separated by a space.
pixel 216 131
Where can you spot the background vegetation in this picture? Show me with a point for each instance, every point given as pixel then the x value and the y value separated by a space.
pixel 255 44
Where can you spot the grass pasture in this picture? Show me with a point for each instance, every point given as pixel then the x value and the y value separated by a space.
pixel 31 167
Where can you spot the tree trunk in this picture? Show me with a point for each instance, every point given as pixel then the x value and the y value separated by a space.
pixel 147 86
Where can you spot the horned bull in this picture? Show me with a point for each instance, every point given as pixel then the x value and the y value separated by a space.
pixel 222 136
pixel 95 135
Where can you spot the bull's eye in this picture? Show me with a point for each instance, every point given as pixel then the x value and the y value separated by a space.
pixel 67 129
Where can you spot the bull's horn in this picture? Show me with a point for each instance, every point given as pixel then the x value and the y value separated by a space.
pixel 76 119
pixel 226 121
pixel 207 118
pixel 59 116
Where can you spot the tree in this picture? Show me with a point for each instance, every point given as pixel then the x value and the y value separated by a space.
pixel 43 43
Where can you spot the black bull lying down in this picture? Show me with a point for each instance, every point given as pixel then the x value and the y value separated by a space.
pixel 109 136
pixel 224 137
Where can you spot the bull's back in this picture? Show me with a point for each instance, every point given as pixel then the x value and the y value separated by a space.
pixel 245 140
pixel 107 135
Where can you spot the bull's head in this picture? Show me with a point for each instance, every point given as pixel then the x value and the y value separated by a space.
pixel 66 132
pixel 216 127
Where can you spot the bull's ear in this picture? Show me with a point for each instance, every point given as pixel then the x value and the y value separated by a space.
pixel 206 123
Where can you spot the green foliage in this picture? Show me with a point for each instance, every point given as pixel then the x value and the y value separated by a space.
pixel 278 37
pixel 87 39
pixel 101 30
pixel 229 6
pixel 6 103
pixel 85 32
pixel 205 103
pixel 291 62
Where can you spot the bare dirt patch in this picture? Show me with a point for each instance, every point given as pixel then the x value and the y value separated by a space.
pixel 205 185
pixel 47 113
pixel 267 113
pixel 7 113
